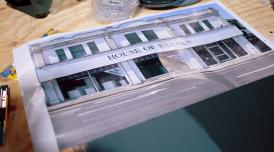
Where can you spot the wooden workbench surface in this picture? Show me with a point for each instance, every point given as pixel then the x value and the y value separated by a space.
pixel 17 28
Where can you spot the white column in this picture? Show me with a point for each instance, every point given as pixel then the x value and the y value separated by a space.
pixel 192 59
pixel 58 91
pixel 204 26
pixel 86 48
pixel 52 97
pixel 190 28
pixel 133 72
pixel 68 54
pixel 39 59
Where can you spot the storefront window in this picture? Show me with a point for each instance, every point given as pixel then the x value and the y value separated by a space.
pixel 84 83
pixel 205 55
pixel 235 47
pixel 228 51
pixel 133 38
pixel 185 29
pixel 208 24
pixel 109 77
pixel 197 27
pixel 260 45
pixel 93 48
pixel 61 55
pixel 219 52
pixel 76 85
pixel 150 35
pixel 150 66
pixel 77 51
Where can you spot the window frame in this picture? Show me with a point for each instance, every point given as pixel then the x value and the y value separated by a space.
pixel 208 24
pixel 84 53
pixel 195 25
pixel 148 33
pixel 184 28
pixel 93 51
pixel 129 38
pixel 59 55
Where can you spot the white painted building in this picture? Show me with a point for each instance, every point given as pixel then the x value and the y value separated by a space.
pixel 130 53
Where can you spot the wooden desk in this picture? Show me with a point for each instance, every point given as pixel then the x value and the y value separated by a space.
pixel 17 28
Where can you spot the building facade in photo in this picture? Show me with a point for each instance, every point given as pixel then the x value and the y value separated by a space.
pixel 132 52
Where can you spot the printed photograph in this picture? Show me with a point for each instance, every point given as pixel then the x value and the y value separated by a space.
pixel 79 87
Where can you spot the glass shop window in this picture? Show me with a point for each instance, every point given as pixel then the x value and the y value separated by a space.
pixel 227 50
pixel 61 55
pixel 77 51
pixel 197 27
pixel 205 55
pixel 108 77
pixel 185 29
pixel 76 85
pixel 256 42
pixel 150 35
pixel 93 47
pixel 133 38
pixel 235 47
pixel 208 24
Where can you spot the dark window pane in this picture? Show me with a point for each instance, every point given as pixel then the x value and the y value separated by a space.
pixel 208 24
pixel 75 82
pixel 61 55
pixel 257 42
pixel 77 51
pixel 216 50
pixel 185 29
pixel 226 49
pixel 235 47
pixel 133 38
pixel 196 27
pixel 150 35
pixel 223 58
pixel 93 48
pixel 205 55
pixel 150 66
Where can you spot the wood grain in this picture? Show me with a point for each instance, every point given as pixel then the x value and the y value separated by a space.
pixel 17 28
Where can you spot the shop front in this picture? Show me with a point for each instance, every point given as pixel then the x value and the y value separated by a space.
pixel 84 83
pixel 219 52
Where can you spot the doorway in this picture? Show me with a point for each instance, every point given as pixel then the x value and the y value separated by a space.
pixel 150 66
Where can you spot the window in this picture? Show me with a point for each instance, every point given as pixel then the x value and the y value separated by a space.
pixel 196 27
pixel 219 53
pixel 93 48
pixel 259 44
pixel 185 29
pixel 91 81
pixel 133 38
pixel 235 47
pixel 205 55
pixel 61 55
pixel 208 24
pixel 77 51
pixel 228 51
pixel 150 66
pixel 256 41
pixel 76 85
pixel 150 35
